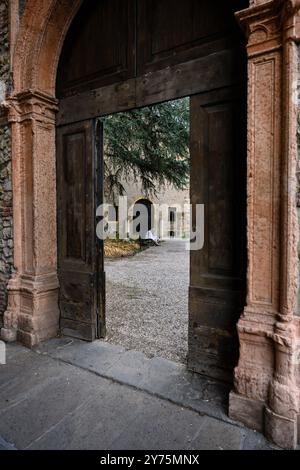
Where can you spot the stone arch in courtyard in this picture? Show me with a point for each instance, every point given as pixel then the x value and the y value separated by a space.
pixel 267 378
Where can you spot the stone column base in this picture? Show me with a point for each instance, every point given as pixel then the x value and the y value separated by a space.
pixel 41 322
pixel 281 430
pixel 32 315
pixel 256 415
pixel 9 335
pixel 10 318
pixel 247 411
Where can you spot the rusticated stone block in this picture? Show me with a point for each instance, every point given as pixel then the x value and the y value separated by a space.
pixel 248 411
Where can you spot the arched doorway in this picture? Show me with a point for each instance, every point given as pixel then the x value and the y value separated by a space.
pixel 148 211
pixel 200 54
pixel 268 329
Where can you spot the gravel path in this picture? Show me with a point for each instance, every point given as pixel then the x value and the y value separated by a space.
pixel 147 301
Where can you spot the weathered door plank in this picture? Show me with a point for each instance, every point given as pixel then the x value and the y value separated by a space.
pixel 78 253
pixel 217 279
pixel 196 76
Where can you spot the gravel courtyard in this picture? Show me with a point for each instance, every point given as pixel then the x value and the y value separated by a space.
pixel 147 301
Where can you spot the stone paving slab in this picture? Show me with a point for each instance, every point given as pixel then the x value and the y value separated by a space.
pixel 217 435
pixel 24 381
pixel 26 412
pixel 15 364
pixel 47 403
pixel 97 357
pixel 157 426
pixel 157 376
pixel 256 441
pixel 97 422
pixel 172 381
pixel 128 420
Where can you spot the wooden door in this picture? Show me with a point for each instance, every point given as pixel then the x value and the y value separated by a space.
pixel 99 48
pixel 218 180
pixel 80 255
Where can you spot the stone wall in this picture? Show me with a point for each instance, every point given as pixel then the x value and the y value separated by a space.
pixel 6 242
pixel 4 50
pixel 298 173
pixel 165 195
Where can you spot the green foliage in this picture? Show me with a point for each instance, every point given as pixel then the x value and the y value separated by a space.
pixel 149 144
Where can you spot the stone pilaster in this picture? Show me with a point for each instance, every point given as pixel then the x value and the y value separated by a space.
pixel 266 396
pixel 32 314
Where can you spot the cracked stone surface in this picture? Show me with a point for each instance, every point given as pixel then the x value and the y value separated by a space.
pixel 147 301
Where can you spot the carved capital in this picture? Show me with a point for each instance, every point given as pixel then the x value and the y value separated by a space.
pixel 32 105
pixel 262 24
pixel 292 7
pixel 269 24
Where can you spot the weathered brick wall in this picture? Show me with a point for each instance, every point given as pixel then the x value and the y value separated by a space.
pixel 6 242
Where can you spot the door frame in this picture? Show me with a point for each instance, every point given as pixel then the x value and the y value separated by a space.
pixel 220 85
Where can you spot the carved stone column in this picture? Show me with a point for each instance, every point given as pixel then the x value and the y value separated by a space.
pixel 32 314
pixel 266 396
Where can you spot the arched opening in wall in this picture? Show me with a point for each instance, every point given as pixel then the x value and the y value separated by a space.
pixel 126 55
pixel 143 208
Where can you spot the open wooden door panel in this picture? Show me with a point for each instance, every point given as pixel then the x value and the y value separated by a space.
pixel 218 180
pixel 80 255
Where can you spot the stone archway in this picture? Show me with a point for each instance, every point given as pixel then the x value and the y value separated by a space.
pixel 147 204
pixel 267 377
pixel 32 306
